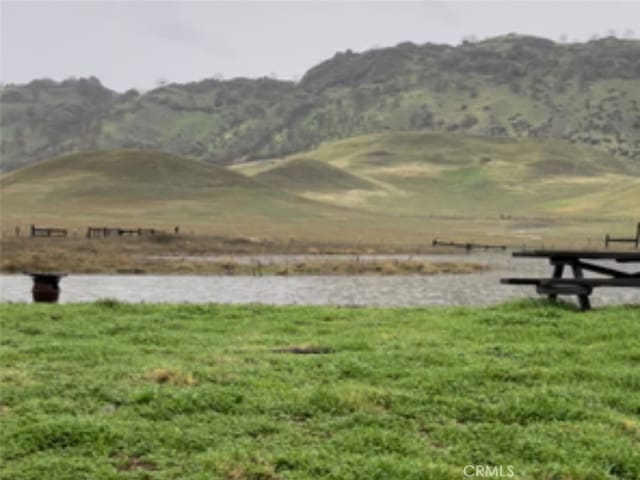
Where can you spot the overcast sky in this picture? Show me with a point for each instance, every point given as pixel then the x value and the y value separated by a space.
pixel 135 44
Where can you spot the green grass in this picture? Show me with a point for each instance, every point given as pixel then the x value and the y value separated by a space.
pixel 418 173
pixel 116 391
pixel 308 174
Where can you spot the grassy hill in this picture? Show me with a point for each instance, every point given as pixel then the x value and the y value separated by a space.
pixel 415 173
pixel 114 170
pixel 397 187
pixel 131 187
pixel 511 86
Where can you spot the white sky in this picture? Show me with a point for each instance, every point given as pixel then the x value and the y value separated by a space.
pixel 129 44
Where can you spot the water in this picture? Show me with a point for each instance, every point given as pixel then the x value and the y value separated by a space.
pixel 477 289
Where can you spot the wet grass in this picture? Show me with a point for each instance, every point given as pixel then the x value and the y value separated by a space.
pixel 121 391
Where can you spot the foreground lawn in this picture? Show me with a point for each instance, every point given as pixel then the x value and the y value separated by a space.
pixel 115 391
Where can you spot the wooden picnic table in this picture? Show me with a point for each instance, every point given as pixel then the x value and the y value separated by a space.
pixel 580 261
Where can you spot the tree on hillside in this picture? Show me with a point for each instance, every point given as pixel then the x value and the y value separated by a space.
pixel 422 118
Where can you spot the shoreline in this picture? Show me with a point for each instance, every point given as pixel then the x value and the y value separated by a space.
pixel 185 255
pixel 236 268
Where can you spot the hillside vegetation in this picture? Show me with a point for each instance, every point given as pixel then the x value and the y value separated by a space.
pixel 512 86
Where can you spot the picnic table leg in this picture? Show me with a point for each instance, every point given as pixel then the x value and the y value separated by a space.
pixel 585 304
pixel 558 269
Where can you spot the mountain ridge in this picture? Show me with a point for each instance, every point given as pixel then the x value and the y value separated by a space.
pixel 509 86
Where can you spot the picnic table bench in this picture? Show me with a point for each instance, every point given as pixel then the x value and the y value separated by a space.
pixel 580 261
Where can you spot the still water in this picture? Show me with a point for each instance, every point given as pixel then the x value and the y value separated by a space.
pixel 405 290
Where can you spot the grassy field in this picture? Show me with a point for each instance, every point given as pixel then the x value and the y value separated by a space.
pixel 117 391
pixel 398 189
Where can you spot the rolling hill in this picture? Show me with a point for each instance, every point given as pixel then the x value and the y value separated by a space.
pixel 415 173
pixel 396 187
pixel 511 86
pixel 130 187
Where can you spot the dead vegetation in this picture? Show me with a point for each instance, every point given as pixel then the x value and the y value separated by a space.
pixel 134 462
pixel 187 255
pixel 171 376
pixel 304 350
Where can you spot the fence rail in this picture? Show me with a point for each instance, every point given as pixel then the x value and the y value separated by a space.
pixel 467 246
pixel 93 232
pixel 48 232
pixel 636 241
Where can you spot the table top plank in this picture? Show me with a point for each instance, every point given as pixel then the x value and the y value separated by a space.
pixel 581 254
pixel 591 282
pixel 46 274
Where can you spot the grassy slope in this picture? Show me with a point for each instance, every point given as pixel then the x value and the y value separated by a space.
pixel 311 175
pixel 110 391
pixel 111 174
pixel 130 187
pixel 419 173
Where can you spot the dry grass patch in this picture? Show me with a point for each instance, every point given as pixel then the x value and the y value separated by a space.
pixel 143 257
pixel 171 376
pixel 350 198
pixel 367 400
pixel 376 267
pixel 133 463
pixel 14 376
pixel 304 350
pixel 631 426
pixel 256 470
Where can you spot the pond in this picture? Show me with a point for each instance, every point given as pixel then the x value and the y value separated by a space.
pixel 477 289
